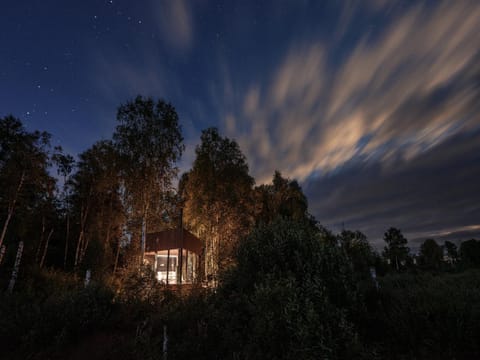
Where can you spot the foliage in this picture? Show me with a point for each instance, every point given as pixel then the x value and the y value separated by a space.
pixel 425 316
pixel 97 206
pixel 217 195
pixel 359 252
pixel 149 142
pixel 451 252
pixel 290 296
pixel 396 251
pixel 49 313
pixel 470 253
pixel 430 256
pixel 28 207
pixel 282 198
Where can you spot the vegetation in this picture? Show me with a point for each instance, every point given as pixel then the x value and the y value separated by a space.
pixel 275 284
pixel 217 195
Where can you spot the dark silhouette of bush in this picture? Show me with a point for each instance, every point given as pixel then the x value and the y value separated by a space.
pixel 291 295
pixel 424 316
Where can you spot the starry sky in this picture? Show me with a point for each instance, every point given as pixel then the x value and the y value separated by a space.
pixel 373 106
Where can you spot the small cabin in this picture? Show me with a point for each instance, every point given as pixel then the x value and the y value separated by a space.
pixel 174 256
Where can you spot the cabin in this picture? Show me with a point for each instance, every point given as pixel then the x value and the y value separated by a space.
pixel 174 256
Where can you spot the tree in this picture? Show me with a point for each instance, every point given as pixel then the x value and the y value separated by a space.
pixel 470 253
pixel 24 162
pixel 358 250
pixel 98 208
pixel 430 256
pixel 65 164
pixel 217 194
pixel 149 141
pixel 396 251
pixel 452 252
pixel 289 296
pixel 283 198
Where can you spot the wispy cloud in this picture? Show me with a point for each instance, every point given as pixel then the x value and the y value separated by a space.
pixel 175 22
pixel 395 95
pixel 117 78
pixel 434 195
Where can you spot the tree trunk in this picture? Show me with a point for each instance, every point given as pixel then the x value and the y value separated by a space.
pixel 13 279
pixel 46 248
pixel 117 256
pixel 2 253
pixel 81 247
pixel 11 208
pixel 107 236
pixel 144 230
pixel 42 235
pixel 66 241
pixel 105 245
pixel 86 241
pixel 168 265
pixel 77 251
pixel 142 240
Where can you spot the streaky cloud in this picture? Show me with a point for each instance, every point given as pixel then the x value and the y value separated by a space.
pixel 406 90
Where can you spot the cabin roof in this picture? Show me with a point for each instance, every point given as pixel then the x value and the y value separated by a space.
pixel 173 239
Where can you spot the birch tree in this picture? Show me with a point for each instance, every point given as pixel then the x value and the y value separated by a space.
pixel 282 198
pixel 149 140
pixel 96 200
pixel 24 161
pixel 65 164
pixel 217 195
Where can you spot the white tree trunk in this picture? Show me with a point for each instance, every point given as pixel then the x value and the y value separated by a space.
pixel 11 208
pixel 81 244
pixel 40 243
pixel 13 279
pixel 2 253
pixel 45 248
pixel 66 242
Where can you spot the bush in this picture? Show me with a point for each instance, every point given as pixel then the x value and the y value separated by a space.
pixel 291 295
pixel 425 316
pixel 51 313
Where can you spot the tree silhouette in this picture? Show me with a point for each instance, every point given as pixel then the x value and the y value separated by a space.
pixel 149 140
pixel 396 251
pixel 217 193
pixel 430 256
pixel 24 161
pixel 452 251
pixel 282 198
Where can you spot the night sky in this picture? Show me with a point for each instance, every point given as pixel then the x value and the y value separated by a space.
pixel 372 105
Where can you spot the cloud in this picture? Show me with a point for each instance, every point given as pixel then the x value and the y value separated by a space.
pixel 436 194
pixel 398 93
pixel 117 77
pixel 175 22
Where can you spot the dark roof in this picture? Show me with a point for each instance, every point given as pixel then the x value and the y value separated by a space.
pixel 173 239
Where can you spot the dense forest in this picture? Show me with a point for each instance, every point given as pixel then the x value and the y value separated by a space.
pixel 274 283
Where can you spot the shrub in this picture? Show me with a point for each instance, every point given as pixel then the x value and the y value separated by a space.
pixel 291 295
pixel 425 316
